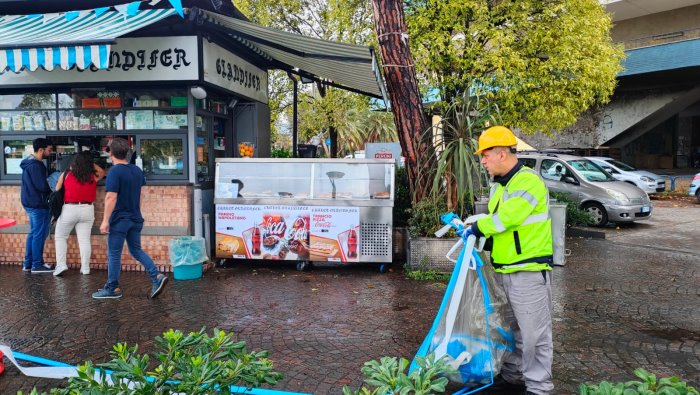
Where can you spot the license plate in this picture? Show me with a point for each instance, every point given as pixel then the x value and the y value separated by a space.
pixel 646 209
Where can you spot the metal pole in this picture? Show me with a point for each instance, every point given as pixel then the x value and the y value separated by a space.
pixel 294 120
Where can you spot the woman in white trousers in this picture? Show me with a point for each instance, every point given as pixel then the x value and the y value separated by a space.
pixel 80 183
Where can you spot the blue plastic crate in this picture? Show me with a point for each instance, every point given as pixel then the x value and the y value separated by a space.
pixel 187 272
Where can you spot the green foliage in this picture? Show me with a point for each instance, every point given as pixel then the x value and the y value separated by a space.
pixel 425 217
pixel 193 363
pixel 347 21
pixel 281 152
pixel 648 385
pixel 388 376
pixel 459 175
pixel 402 198
pixel 422 273
pixel 574 214
pixel 543 62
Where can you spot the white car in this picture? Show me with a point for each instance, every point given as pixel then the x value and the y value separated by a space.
pixel 648 182
pixel 694 189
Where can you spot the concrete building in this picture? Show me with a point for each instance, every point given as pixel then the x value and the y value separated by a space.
pixel 653 118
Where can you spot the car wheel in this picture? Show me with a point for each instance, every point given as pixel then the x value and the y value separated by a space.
pixel 697 194
pixel 597 211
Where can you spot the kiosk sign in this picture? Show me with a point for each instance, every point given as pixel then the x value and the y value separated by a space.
pixel 224 69
pixel 130 59
pixel 383 151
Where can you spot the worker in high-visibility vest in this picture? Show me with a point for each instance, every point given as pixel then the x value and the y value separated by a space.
pixel 519 223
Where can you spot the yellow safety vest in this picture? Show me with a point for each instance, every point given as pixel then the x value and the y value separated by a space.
pixel 519 223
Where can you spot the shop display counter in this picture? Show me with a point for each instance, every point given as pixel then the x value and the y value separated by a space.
pixel 305 210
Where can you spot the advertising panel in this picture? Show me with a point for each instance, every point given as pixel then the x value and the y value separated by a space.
pixel 292 233
pixel 335 234
pixel 262 232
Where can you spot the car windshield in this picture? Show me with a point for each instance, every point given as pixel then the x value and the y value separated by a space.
pixel 589 170
pixel 620 165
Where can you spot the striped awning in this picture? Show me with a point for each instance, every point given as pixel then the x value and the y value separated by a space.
pixel 348 66
pixel 75 39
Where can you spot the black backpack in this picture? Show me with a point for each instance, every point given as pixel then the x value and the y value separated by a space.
pixel 56 199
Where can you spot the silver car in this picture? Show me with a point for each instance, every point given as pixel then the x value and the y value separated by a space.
pixel 606 199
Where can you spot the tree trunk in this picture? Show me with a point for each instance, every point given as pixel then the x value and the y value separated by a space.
pixel 402 87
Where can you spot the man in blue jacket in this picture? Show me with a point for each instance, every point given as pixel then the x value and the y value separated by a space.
pixel 34 196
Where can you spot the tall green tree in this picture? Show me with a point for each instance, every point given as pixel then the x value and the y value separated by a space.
pixel 543 62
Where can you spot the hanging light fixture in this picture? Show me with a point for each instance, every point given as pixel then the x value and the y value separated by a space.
pixel 198 92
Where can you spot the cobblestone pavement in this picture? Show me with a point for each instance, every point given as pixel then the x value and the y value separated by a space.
pixel 619 304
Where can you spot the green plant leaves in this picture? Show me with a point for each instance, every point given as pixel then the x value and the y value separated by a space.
pixel 193 363
pixel 648 386
pixel 388 376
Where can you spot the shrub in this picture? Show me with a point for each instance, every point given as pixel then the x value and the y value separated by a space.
pixel 388 376
pixel 183 364
pixel 402 198
pixel 425 217
pixel 281 153
pixel 574 214
pixel 648 386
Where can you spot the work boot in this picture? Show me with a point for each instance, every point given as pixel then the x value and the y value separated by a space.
pixel 501 384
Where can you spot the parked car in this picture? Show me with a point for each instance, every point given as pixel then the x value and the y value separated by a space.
pixel 647 181
pixel 695 187
pixel 606 199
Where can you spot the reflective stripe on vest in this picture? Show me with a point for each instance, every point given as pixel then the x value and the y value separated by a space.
pixel 497 223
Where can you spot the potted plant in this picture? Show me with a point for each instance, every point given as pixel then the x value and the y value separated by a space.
pixel 459 175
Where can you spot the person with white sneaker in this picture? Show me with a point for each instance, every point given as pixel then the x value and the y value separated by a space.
pixel 122 221
pixel 80 190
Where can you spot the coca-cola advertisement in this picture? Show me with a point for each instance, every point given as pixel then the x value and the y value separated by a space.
pixel 263 232
pixel 335 234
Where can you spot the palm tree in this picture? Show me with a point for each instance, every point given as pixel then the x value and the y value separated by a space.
pixel 365 126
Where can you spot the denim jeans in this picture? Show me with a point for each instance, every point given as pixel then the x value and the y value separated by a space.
pixel 129 231
pixel 39 220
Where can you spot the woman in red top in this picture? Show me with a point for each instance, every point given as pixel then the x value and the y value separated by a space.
pixel 78 210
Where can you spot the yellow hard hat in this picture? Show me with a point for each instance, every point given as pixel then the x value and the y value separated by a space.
pixel 496 136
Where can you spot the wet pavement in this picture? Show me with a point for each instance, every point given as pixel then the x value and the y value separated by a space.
pixel 620 303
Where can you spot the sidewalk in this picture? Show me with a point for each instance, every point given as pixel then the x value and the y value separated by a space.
pixel 619 304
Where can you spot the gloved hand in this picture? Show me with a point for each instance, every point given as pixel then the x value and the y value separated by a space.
pixel 465 233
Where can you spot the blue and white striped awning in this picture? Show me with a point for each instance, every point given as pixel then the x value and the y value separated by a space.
pixel 74 39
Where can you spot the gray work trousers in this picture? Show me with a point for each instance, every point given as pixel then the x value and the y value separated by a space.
pixel 529 315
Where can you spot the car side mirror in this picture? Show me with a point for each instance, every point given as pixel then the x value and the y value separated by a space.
pixel 570 180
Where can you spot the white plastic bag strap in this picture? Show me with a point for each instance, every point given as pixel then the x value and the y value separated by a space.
pixel 463 357
pixel 472 261
pixel 453 249
pixel 441 349
pixel 53 372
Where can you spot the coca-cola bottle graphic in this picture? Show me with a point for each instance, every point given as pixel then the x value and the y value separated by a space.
pixel 256 240
pixel 352 244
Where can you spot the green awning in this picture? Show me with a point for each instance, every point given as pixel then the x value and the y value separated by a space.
pixel 348 66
